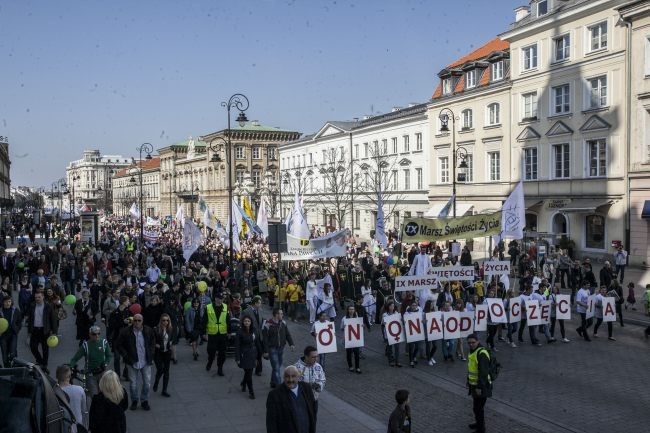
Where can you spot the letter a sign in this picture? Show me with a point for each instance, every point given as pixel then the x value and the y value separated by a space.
pixel 395 331
pixel 353 332
pixel 434 325
pixel 609 310
pixel 325 337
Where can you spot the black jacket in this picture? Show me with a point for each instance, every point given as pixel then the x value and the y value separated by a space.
pixel 50 320
pixel 106 416
pixel 125 345
pixel 396 422
pixel 171 338
pixel 280 415
pixel 15 320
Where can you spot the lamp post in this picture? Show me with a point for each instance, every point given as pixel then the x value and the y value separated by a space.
pixel 106 189
pixel 457 152
pixel 239 102
pixel 59 186
pixel 73 211
pixel 146 148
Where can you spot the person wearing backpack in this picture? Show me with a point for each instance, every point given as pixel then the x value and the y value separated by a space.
pixel 479 380
pixel 97 354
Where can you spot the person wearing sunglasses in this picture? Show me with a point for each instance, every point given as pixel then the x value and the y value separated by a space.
pixel 165 337
pixel 97 355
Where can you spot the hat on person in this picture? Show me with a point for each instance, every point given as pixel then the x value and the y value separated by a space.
pixel 218 295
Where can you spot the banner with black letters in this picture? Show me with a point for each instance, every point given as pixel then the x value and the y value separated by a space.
pixel 443 229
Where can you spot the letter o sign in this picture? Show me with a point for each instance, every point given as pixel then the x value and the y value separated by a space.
pixel 326 339
pixel 496 310
pixel 448 323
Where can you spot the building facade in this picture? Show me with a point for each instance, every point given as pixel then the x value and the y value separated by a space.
pixel 89 178
pixel 5 179
pixel 127 190
pixel 339 170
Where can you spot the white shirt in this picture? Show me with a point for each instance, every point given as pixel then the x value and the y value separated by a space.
pixel 77 397
pixel 38 315
pixel 142 352
pixel 582 297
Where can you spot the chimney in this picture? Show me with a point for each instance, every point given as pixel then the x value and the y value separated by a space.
pixel 255 123
pixel 521 12
pixel 395 109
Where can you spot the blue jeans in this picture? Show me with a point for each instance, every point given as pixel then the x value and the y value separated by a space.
pixel 139 378
pixel 448 348
pixel 275 356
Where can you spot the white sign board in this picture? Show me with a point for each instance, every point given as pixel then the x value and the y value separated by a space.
pixel 414 327
pixel 515 310
pixel 353 332
pixel 325 337
pixel 466 323
pixel 609 309
pixel 395 331
pixel 545 312
pixel 414 282
pixel 591 306
pixel 480 318
pixel 451 320
pixel 496 268
pixel 497 310
pixel 563 307
pixel 434 326
pixel 532 313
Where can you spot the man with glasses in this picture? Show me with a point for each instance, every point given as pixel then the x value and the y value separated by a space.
pixel 479 381
pixel 97 355
pixel 136 344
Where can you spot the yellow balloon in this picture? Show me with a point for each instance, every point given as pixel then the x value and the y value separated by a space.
pixel 52 341
pixel 202 286
pixel 4 325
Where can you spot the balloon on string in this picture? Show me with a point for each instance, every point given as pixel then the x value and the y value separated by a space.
pixel 389 260
pixel 52 341
pixel 135 309
pixel 70 299
pixel 202 286
pixel 224 274
pixel 4 325
pixel 187 305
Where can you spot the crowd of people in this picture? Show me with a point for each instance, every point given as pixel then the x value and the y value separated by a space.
pixel 133 304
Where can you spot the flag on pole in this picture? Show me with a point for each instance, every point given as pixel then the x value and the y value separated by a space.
pixel 180 216
pixel 297 223
pixel 263 219
pixel 134 211
pixel 248 221
pixel 444 212
pixel 513 217
pixel 192 238
pixel 235 226
pixel 208 218
pixel 380 231
pixel 202 206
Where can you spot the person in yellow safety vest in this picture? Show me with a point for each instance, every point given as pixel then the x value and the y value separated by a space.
pixel 217 327
pixel 130 246
pixel 478 380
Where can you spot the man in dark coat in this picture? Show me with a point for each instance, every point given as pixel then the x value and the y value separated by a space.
pixel 42 323
pixel 290 406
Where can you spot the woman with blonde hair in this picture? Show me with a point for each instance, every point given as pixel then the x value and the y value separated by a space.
pixel 107 408
pixel 165 334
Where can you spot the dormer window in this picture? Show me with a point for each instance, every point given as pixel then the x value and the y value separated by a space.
pixel 446 86
pixel 470 79
pixel 542 8
pixel 497 70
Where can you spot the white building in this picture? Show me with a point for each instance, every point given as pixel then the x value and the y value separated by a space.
pixel 90 177
pixel 339 170
pixel 128 190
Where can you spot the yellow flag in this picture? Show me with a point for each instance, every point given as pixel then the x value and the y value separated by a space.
pixel 249 212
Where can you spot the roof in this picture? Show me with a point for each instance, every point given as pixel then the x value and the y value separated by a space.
pixel 496 44
pixel 554 8
pixel 146 164
pixel 185 143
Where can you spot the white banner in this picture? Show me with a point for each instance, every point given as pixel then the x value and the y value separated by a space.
pixel 532 313
pixel 451 320
pixel 545 312
pixel 515 310
pixel 395 331
pixel 325 337
pixel 496 268
pixel 480 318
pixel 563 307
pixel 591 306
pixel 414 282
pixel 609 309
pixel 152 221
pixel 434 325
pixel 452 273
pixel 192 238
pixel 414 327
pixel 466 323
pixel 331 245
pixel 353 332
pixel 497 310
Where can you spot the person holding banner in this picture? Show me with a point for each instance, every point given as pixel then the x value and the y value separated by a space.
pixel 351 314
pixel 555 298
pixel 582 299
pixel 322 318
pixel 491 325
pixel 525 298
pixel 448 344
pixel 389 315
pixel 512 325
pixel 600 298
pixel 413 347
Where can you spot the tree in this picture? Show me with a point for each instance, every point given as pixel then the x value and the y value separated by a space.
pixel 336 189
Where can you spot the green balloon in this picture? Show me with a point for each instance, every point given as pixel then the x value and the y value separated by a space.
pixel 187 305
pixel 4 325
pixel 395 259
pixel 70 299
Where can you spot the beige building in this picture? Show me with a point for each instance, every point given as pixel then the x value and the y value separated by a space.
pixel 568 120
pixel 637 17
pixel 5 180
pixel 126 188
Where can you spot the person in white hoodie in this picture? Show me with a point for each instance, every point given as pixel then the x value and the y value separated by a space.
pixel 311 294
pixel 311 372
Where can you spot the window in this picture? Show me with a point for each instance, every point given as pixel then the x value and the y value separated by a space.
pixel 597 88
pixel 418 176
pixel 271 153
pixel 239 152
pixel 497 71
pixel 239 176
pixel 293 162
pixel 375 146
pixel 597 36
pixel 406 143
pixel 407 179
pixel 597 157
pixel 494 161
pixel 418 141
pixel 446 86
pixel 311 159
pixel 493 114
pixel 529 57
pixel 256 152
pixel 256 177
pixel 647 58
pixel 469 174
pixel 443 169
pixel 394 143
pixel 561 99
pixel 357 219
pixel 341 153
pixel 384 146
pixel 356 151
pixel 542 8
pixel 467 119
pixel 395 180
pixel 470 79
pixel 324 156
pixel 561 48
pixel 561 161
pixel 530 163
pixel 595 232
pixel 365 150
pixel 529 106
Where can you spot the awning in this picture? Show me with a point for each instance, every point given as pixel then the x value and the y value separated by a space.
pixel 461 209
pixel 645 213
pixel 532 202
pixel 585 205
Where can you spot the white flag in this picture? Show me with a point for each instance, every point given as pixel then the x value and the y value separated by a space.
pixel 297 224
pixel 208 221
pixel 180 216
pixel 192 238
pixel 513 218
pixel 444 212
pixel 235 226
pixel 134 211
pixel 380 231
pixel 263 219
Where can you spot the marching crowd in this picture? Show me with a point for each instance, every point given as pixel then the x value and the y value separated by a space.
pixel 146 300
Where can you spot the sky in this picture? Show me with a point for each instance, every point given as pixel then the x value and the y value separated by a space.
pixel 104 75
